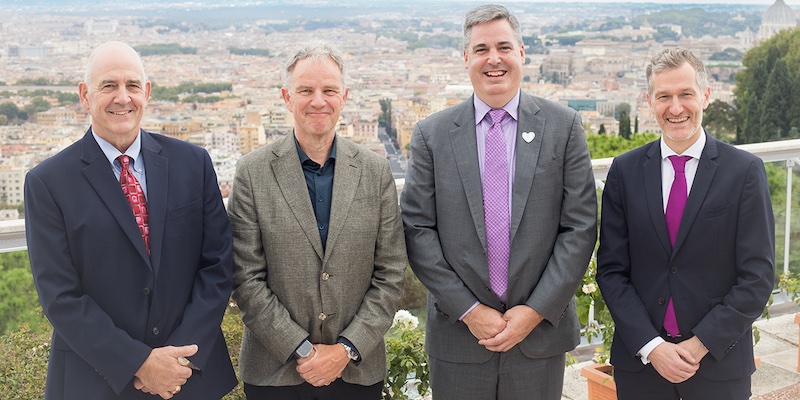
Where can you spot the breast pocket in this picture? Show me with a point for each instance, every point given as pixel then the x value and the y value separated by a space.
pixel 185 209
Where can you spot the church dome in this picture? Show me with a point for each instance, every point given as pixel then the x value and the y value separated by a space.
pixel 778 17
pixel 779 14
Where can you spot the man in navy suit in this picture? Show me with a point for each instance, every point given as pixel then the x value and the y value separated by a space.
pixel 130 295
pixel 686 257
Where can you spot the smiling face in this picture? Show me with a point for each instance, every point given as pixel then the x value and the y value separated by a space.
pixel 494 60
pixel 677 101
pixel 315 96
pixel 115 93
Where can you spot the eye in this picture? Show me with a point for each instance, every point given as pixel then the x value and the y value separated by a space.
pixel 480 51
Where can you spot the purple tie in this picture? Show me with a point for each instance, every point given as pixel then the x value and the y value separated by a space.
pixel 675 205
pixel 495 204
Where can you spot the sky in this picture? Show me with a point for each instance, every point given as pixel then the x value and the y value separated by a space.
pixel 757 2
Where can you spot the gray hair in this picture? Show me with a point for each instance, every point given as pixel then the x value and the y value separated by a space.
pixel 488 13
pixel 673 58
pixel 315 50
pixel 87 75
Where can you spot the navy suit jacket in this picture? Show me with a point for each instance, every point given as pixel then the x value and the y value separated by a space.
pixel 108 301
pixel 720 273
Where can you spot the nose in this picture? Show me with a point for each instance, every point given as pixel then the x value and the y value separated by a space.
pixel 493 57
pixel 318 99
pixel 675 106
pixel 122 95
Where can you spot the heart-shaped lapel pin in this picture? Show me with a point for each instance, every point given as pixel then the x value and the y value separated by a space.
pixel 528 136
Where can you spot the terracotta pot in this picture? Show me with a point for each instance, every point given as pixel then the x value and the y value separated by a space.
pixel 797 321
pixel 601 381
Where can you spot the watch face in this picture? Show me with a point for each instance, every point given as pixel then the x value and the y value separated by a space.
pixel 305 349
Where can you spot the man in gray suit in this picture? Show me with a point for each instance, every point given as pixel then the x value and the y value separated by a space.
pixel 319 255
pixel 500 211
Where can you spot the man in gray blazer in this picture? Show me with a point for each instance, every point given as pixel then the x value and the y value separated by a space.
pixel 319 255
pixel 500 234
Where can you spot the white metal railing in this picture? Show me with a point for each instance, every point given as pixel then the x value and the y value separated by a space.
pixel 12 233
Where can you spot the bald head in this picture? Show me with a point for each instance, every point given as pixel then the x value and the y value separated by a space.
pixel 112 53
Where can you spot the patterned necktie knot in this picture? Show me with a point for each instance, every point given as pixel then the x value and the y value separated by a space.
pixel 497 116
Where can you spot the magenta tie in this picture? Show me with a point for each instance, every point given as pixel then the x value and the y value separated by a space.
pixel 675 205
pixel 135 195
pixel 495 204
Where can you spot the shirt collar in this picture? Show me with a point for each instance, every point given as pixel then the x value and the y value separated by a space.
pixel 112 152
pixel 694 150
pixel 304 157
pixel 481 108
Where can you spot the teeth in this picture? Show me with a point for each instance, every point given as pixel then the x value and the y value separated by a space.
pixel 119 112
pixel 677 120
pixel 495 73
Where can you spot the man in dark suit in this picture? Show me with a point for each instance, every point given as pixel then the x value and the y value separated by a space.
pixel 686 257
pixel 319 256
pixel 499 209
pixel 130 249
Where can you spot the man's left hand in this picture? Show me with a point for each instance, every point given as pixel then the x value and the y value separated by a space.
pixel 325 366
pixel 521 320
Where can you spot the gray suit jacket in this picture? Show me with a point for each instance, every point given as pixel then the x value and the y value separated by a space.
pixel 287 288
pixel 553 226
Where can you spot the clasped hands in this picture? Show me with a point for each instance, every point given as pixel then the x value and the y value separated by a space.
pixel 500 332
pixel 162 374
pixel 324 365
pixel 678 362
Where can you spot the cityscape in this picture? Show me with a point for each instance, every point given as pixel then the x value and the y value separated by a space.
pixel 216 66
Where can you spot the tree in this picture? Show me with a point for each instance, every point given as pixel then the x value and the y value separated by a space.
pixel 624 125
pixel 636 125
pixel 620 108
pixel 602 130
pixel 719 119
pixel 775 105
pixel 10 110
pixel 767 89
pixel 37 105
pixel 385 118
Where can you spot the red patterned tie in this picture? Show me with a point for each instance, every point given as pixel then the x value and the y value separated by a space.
pixel 133 191
pixel 495 204
pixel 675 205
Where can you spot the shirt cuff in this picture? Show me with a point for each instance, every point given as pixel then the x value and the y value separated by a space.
pixel 644 352
pixel 468 310
pixel 349 344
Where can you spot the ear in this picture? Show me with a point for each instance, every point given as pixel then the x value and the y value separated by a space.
pixel 466 60
pixel 346 93
pixel 147 88
pixel 706 97
pixel 650 103
pixel 83 93
pixel 286 98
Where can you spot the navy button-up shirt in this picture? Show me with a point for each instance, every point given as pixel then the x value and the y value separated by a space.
pixel 319 180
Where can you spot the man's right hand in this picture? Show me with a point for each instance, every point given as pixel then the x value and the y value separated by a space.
pixel 673 362
pixel 161 372
pixel 484 322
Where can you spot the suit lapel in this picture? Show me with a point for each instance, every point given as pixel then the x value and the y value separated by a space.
pixel 706 170
pixel 347 175
pixel 99 174
pixel 527 157
pixel 292 183
pixel 157 175
pixel 465 150
pixel 654 195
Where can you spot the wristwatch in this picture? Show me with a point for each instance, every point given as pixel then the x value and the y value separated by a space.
pixel 351 354
pixel 304 350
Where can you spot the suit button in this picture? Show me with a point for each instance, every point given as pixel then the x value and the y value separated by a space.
pixel 146 291
pixel 325 276
pixel 322 316
pixel 674 270
pixel 488 289
pixel 155 331
pixel 661 301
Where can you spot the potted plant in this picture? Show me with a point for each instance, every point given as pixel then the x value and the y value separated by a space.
pixel 790 283
pixel 598 325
